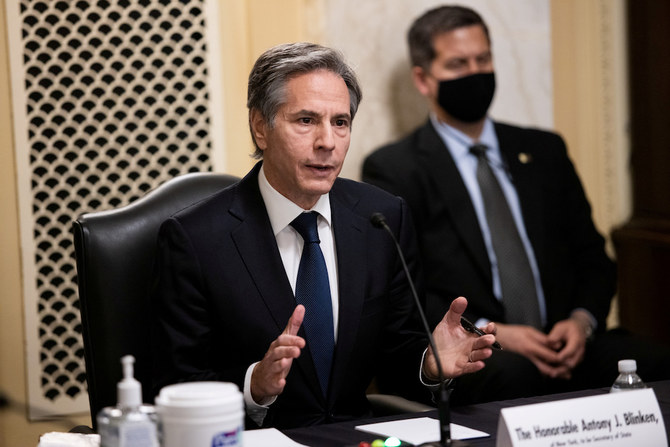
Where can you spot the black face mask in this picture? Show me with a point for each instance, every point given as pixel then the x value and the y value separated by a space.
pixel 468 98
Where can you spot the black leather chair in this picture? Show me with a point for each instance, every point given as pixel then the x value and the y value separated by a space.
pixel 114 251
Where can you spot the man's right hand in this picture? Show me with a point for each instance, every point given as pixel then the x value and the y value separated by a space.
pixel 536 346
pixel 269 376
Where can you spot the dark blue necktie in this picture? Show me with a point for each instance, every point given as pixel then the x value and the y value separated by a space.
pixel 519 295
pixel 313 291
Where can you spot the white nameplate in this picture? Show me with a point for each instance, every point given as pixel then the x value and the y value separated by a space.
pixel 630 418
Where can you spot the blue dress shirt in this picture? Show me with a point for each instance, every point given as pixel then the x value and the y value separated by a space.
pixel 459 146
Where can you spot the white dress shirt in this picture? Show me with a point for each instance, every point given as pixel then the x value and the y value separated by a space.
pixel 282 212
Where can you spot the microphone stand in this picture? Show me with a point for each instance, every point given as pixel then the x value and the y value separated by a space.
pixel 379 221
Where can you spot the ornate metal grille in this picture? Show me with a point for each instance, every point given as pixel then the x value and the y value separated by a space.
pixel 116 103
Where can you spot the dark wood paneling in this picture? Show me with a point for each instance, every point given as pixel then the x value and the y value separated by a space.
pixel 643 244
pixel 643 254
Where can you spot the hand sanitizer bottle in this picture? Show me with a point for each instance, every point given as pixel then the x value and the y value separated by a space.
pixel 129 423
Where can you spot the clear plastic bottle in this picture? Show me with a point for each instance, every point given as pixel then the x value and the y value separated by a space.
pixel 130 423
pixel 628 378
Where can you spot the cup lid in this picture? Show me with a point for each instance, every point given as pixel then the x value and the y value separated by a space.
pixel 205 397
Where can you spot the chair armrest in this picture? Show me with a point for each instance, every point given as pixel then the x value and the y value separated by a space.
pixel 388 405
pixel 82 429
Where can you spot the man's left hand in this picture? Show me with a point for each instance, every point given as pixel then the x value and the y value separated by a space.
pixel 569 339
pixel 460 351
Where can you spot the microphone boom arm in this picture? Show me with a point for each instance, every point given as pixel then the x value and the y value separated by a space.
pixel 379 221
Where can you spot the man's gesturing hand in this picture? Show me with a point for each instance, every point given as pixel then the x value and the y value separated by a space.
pixel 460 351
pixel 269 376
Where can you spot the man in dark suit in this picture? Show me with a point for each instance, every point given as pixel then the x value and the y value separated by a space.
pixel 230 267
pixel 545 324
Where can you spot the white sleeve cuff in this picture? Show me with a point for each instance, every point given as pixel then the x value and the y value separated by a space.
pixel 422 376
pixel 255 411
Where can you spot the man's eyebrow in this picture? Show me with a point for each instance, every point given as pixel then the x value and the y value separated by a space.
pixel 460 58
pixel 313 114
pixel 456 59
pixel 305 112
pixel 342 116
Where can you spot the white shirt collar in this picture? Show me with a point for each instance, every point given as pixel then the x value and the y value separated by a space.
pixel 281 210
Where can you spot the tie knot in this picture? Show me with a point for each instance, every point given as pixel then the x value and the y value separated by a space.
pixel 305 224
pixel 479 150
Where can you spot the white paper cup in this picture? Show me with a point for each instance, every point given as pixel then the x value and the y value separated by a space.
pixel 201 414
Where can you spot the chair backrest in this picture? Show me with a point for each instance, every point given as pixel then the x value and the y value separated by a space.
pixel 115 254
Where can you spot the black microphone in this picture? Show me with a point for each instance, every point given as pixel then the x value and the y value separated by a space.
pixel 378 220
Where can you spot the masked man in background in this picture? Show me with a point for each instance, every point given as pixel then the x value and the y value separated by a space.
pixel 502 218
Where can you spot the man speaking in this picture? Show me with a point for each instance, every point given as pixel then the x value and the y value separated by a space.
pixel 280 283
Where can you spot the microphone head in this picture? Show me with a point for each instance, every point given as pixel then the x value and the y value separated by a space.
pixel 378 220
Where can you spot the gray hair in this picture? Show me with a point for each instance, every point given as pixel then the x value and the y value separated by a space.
pixel 275 67
pixel 434 22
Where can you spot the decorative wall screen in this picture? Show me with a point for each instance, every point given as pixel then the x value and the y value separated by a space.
pixel 111 99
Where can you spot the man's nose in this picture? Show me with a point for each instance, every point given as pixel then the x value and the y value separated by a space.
pixel 474 67
pixel 326 137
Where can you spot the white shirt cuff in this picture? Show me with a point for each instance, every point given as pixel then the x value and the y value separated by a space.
pixel 430 386
pixel 255 411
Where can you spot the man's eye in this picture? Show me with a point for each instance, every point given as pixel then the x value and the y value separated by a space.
pixel 306 120
pixel 483 60
pixel 456 64
pixel 342 123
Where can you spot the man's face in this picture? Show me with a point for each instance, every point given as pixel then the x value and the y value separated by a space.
pixel 304 151
pixel 461 52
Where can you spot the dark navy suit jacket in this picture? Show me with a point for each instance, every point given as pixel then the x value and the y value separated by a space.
pixel 222 296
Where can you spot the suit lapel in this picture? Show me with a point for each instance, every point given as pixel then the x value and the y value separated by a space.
pixel 520 154
pixel 257 247
pixel 350 230
pixel 439 164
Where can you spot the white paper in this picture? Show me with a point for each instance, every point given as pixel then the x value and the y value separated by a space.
pixel 58 439
pixel 419 430
pixel 267 437
pixel 631 418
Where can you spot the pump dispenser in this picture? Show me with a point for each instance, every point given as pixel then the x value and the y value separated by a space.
pixel 129 390
pixel 130 423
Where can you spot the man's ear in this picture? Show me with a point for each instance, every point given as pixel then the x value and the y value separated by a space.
pixel 258 128
pixel 421 82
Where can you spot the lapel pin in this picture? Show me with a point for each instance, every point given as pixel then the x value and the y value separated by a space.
pixel 525 158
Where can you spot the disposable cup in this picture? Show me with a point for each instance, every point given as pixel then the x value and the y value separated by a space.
pixel 200 414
